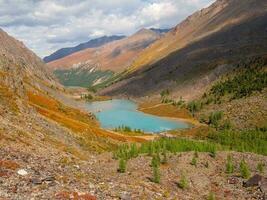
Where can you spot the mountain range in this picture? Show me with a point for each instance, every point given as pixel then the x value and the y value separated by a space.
pixel 97 42
pixel 95 65
pixel 90 44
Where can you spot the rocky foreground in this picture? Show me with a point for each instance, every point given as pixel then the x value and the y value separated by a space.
pixel 50 175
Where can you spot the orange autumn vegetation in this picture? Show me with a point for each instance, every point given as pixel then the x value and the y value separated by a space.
pixel 168 110
pixel 74 196
pixel 8 164
pixel 80 122
pixel 49 106
pixel 195 132
pixel 3 73
pixel 164 110
pixel 8 98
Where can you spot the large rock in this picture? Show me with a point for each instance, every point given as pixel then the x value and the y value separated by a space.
pixel 253 181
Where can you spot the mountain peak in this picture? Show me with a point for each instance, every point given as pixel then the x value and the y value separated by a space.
pixel 143 31
pixel 152 31
pixel 97 42
pixel 160 31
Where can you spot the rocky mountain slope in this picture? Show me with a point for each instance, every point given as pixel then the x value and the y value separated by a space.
pixel 90 44
pixel 41 124
pixel 197 51
pixel 98 64
pixel 21 69
pixel 35 112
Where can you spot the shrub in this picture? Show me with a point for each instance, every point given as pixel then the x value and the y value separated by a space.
pixel 209 100
pixel 155 160
pixel 150 149
pixel 156 174
pixel 133 151
pixel 183 183
pixel 123 129
pixel 138 131
pixel 215 117
pixel 213 152
pixel 229 165
pixel 244 169
pixel 87 97
pixel 211 196
pixel 164 93
pixel 92 89
pixel 226 125
pixel 194 106
pixel 122 165
pixel 180 102
pixel 194 161
pixel 260 167
pixel 164 153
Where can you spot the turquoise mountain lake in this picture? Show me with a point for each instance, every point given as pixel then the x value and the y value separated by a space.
pixel 114 113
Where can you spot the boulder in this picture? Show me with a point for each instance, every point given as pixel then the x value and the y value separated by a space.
pixel 22 172
pixel 253 181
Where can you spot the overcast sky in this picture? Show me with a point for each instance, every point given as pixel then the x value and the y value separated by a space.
pixel 47 25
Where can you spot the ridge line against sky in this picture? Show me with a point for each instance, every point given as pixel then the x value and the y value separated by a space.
pixel 48 25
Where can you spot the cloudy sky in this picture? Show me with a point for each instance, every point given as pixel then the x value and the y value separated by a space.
pixel 47 25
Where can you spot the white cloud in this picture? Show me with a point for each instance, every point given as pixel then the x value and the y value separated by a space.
pixel 47 25
pixel 159 11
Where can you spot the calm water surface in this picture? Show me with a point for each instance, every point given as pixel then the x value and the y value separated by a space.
pixel 115 113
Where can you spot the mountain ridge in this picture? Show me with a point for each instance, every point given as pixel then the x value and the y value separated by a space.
pixel 191 50
pixel 63 52
pixel 198 25
pixel 115 56
pixel 93 43
pixel 161 30
pixel 140 39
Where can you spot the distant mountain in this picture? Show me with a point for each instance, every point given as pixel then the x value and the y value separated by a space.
pixel 160 31
pixel 113 57
pixel 90 44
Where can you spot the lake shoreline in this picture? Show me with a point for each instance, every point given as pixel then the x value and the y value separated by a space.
pixel 123 112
